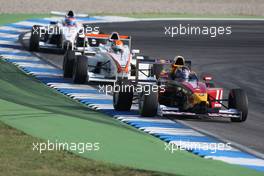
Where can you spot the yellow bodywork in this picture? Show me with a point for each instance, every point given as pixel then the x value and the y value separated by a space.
pixel 200 97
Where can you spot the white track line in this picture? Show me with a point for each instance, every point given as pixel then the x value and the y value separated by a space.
pixel 11 28
pixel 29 58
pixel 28 23
pixel 15 36
pixel 102 106
pixel 35 73
pixel 88 95
pixel 239 161
pixel 70 86
pixel 35 65
pixel 9 43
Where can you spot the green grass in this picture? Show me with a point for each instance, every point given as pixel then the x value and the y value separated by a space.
pixel 17 158
pixel 11 18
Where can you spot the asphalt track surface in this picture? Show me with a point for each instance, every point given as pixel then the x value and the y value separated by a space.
pixel 235 60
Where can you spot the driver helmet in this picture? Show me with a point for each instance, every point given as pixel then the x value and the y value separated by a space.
pixel 178 61
pixel 118 45
pixel 182 73
pixel 70 21
pixel 70 14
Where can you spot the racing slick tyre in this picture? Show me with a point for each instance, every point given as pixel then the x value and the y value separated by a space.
pixel 80 70
pixel 123 99
pixel 68 62
pixel 156 70
pixel 237 99
pixel 148 104
pixel 67 46
pixel 34 38
pixel 133 70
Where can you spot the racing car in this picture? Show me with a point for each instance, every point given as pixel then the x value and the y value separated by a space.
pixel 58 34
pixel 99 57
pixel 181 95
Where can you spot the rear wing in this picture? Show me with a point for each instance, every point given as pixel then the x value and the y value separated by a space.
pixel 161 61
pixel 64 13
pixel 93 40
pixel 152 68
pixel 148 60
pixel 145 67
pixel 103 38
pixel 106 36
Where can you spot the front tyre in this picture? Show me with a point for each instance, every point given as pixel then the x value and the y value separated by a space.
pixel 80 70
pixel 148 104
pixel 123 99
pixel 34 38
pixel 237 99
pixel 68 62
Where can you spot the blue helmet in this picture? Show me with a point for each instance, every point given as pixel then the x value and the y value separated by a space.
pixel 70 21
pixel 182 73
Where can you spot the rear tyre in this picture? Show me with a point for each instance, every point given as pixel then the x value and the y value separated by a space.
pixel 156 70
pixel 80 70
pixel 123 100
pixel 34 38
pixel 133 70
pixel 237 99
pixel 68 62
pixel 148 104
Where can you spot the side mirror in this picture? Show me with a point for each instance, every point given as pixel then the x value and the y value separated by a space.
pixel 89 53
pixel 140 57
pixel 135 51
pixel 207 78
pixel 209 81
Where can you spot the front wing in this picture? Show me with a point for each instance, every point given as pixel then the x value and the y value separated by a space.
pixel 172 111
